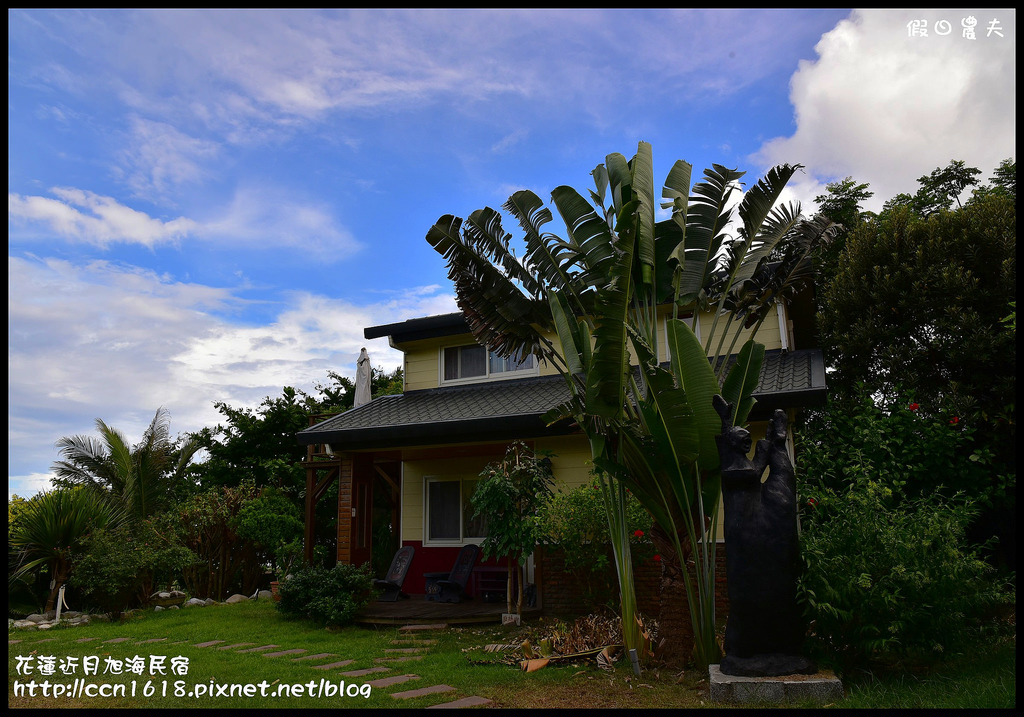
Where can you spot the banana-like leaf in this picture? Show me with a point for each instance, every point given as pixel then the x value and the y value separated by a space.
pixel 690 365
pixel 708 215
pixel 588 233
pixel 568 332
pixel 606 379
pixel 546 255
pixel 742 380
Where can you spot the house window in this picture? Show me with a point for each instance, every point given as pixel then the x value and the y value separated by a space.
pixel 461 363
pixel 449 516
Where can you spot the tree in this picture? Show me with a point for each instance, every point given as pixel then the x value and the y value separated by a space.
pixel 258 444
pixel 842 204
pixel 917 306
pixel 917 312
pixel 510 496
pixel 944 186
pixel 52 526
pixel 599 290
pixel 141 479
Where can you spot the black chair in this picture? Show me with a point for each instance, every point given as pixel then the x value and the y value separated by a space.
pixel 454 588
pixel 393 581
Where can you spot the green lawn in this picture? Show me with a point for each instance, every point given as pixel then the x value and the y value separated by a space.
pixel 454 660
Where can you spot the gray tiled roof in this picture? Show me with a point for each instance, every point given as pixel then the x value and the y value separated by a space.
pixel 511 409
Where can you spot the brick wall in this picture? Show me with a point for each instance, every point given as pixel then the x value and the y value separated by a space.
pixel 565 594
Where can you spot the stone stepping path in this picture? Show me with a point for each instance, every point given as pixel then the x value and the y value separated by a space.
pixel 422 692
pixel 297 651
pixel 259 649
pixel 318 656
pixel 464 702
pixel 86 639
pixel 404 650
pixel 332 665
pixel 394 680
pixel 13 642
pixel 237 644
pixel 210 643
pixel 421 628
pixel 116 639
pixel 155 639
pixel 414 641
pixel 368 671
pixel 408 658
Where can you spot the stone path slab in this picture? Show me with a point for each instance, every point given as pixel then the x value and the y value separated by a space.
pixel 297 651
pixel 259 649
pixel 398 659
pixel 421 692
pixel 237 644
pixel 414 641
pixel 155 639
pixel 389 681
pixel 13 642
pixel 464 702
pixel 117 639
pixel 404 650
pixel 317 656
pixel 368 671
pixel 210 643
pixel 421 628
pixel 86 639
pixel 332 665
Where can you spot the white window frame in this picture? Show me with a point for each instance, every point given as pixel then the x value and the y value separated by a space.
pixel 488 376
pixel 463 507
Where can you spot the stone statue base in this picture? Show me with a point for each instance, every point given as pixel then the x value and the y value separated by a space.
pixel 771 665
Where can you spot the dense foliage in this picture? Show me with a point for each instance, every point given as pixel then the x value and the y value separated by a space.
pixel 328 597
pixel 574 522
pixel 887 576
pixel 121 567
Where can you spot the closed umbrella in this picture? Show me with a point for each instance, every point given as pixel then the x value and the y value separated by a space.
pixel 362 389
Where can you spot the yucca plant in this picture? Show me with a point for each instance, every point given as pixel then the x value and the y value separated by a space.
pixel 51 527
pixel 598 290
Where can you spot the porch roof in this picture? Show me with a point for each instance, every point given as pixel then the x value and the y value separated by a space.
pixel 502 410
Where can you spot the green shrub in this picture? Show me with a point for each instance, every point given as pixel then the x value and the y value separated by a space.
pixel 329 597
pixel 575 521
pixel 887 577
pixel 121 567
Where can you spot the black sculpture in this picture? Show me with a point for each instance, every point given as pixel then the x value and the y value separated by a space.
pixel 765 630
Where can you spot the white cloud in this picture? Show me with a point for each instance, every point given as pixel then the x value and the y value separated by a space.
pixel 116 342
pixel 83 216
pixel 161 157
pixel 887 108
pixel 268 216
pixel 256 218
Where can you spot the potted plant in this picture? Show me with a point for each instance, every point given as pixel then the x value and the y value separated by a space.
pixel 285 557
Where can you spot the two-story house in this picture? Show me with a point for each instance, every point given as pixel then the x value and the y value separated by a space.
pixel 460 408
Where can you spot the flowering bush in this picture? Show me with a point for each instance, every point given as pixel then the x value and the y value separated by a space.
pixel 576 522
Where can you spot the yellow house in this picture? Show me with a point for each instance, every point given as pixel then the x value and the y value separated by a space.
pixel 460 408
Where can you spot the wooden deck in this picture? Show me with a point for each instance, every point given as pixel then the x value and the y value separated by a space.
pixel 417 610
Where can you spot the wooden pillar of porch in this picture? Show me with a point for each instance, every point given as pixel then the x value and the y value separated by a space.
pixel 323 467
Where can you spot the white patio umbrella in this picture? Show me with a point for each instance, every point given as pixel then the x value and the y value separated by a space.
pixel 362 389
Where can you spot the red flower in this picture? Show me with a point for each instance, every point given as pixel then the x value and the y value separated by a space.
pixel 638 534
pixel 914 407
pixel 812 502
pixel 954 420
pixel 656 558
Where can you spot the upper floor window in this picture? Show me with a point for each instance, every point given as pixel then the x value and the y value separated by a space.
pixel 475 362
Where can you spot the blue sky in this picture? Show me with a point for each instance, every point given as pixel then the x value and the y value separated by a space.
pixel 209 205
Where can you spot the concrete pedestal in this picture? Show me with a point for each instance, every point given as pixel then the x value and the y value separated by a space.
pixel 822 688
